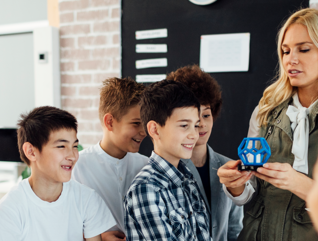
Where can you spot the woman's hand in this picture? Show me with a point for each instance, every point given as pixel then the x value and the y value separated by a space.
pixel 283 176
pixel 233 179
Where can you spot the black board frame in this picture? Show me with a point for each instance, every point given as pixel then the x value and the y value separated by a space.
pixel 186 22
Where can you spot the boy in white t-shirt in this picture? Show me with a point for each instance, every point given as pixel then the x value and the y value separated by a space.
pixel 110 166
pixel 48 206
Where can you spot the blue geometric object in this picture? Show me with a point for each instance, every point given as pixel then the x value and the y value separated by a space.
pixel 250 155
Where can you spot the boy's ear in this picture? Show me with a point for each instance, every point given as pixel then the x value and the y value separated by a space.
pixel 29 151
pixel 152 128
pixel 108 121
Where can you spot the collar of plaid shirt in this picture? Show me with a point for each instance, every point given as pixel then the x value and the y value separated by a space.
pixel 177 176
pixel 183 178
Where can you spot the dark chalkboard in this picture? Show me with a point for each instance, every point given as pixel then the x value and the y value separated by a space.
pixel 9 145
pixel 186 22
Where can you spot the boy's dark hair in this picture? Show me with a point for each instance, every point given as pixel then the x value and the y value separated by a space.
pixel 203 85
pixel 161 98
pixel 36 127
pixel 118 95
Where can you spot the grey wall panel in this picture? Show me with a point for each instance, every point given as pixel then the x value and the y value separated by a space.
pixel 16 77
pixel 18 11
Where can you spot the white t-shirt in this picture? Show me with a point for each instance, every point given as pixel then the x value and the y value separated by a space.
pixel 79 210
pixel 109 177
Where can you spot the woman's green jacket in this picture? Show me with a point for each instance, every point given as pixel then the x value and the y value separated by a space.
pixel 275 214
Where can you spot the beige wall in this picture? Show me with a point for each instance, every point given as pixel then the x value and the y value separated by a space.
pixel 90 53
pixel 53 13
pixel 314 5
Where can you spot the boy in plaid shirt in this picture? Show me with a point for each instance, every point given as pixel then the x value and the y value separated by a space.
pixel 164 202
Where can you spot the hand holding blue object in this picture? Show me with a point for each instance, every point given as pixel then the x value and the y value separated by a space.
pixel 253 155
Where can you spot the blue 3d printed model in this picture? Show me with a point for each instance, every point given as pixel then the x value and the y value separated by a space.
pixel 253 157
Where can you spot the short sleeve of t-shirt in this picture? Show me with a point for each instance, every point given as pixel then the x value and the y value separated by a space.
pixel 10 229
pixel 11 225
pixel 98 217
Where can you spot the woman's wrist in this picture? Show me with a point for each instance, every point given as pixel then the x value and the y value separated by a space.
pixel 237 191
pixel 302 185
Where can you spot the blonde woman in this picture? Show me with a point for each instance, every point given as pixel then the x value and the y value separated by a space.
pixel 286 116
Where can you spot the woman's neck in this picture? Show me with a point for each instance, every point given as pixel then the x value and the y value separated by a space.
pixel 307 96
pixel 199 155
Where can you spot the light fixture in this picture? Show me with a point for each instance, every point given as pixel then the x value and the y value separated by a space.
pixel 202 2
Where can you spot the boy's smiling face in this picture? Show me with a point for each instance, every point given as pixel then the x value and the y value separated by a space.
pixel 57 157
pixel 177 138
pixel 206 124
pixel 128 132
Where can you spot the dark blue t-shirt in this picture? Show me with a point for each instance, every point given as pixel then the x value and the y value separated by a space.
pixel 204 172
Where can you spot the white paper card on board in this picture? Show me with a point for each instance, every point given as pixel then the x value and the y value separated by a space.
pixel 150 78
pixel 151 48
pixel 151 63
pixel 153 33
pixel 225 52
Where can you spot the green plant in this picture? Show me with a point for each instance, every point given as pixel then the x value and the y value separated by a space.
pixel 80 147
pixel 26 173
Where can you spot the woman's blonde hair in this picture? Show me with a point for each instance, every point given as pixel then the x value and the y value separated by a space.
pixel 281 89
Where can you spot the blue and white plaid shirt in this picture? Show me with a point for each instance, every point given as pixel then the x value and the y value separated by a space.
pixel 164 203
